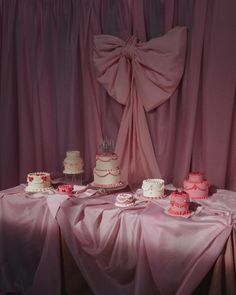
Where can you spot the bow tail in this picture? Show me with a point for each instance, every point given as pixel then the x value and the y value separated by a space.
pixel 134 145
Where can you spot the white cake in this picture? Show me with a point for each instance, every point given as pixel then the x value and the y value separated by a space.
pixel 106 173
pixel 38 182
pixel 153 188
pixel 125 200
pixel 73 164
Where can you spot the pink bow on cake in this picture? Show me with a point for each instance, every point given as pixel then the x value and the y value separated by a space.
pixel 141 76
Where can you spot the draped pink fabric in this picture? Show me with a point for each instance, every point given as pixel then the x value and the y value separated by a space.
pixel 140 250
pixel 135 250
pixel 141 76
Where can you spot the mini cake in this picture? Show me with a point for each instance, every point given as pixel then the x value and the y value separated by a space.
pixel 107 172
pixel 38 181
pixel 73 164
pixel 124 200
pixel 153 188
pixel 65 188
pixel 196 186
pixel 179 203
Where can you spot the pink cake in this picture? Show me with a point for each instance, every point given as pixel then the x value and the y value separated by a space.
pixel 179 203
pixel 196 186
pixel 124 200
pixel 65 188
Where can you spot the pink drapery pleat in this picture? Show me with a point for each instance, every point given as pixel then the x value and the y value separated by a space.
pixel 141 76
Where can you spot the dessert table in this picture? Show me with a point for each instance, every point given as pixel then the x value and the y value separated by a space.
pixel 51 241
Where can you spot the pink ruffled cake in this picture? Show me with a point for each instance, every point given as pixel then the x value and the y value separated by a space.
pixel 124 200
pixel 179 204
pixel 196 186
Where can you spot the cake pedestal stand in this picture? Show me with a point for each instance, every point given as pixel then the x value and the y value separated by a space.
pixel 74 178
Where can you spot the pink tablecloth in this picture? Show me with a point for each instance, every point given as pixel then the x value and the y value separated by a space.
pixel 29 243
pixel 139 250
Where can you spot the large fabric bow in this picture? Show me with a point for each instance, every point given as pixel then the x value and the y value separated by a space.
pixel 139 75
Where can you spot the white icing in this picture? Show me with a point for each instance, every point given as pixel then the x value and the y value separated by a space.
pixel 72 155
pixel 153 188
pixel 107 177
pixel 106 162
pixel 106 172
pixel 124 200
pixel 73 164
pixel 38 181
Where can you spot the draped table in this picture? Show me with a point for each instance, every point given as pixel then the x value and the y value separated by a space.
pixel 136 250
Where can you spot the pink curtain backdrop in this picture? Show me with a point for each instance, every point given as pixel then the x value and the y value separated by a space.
pixel 141 76
pixel 50 100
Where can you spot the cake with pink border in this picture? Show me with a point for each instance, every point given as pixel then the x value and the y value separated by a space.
pixel 179 204
pixel 107 172
pixel 196 186
pixel 124 200
pixel 38 182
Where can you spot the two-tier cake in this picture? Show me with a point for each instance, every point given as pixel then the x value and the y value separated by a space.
pixel 179 204
pixel 196 186
pixel 73 164
pixel 107 173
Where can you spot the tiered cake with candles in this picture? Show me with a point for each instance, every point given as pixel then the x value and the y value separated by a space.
pixel 107 172
pixel 196 186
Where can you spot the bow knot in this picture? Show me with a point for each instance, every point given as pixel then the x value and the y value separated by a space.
pixel 128 49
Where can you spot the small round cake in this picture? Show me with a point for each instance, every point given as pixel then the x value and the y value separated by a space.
pixel 179 204
pixel 65 188
pixel 153 188
pixel 196 186
pixel 124 200
pixel 73 164
pixel 38 182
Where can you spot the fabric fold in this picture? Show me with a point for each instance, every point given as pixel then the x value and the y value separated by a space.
pixel 54 202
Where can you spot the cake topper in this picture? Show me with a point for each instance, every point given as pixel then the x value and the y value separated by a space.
pixel 107 146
